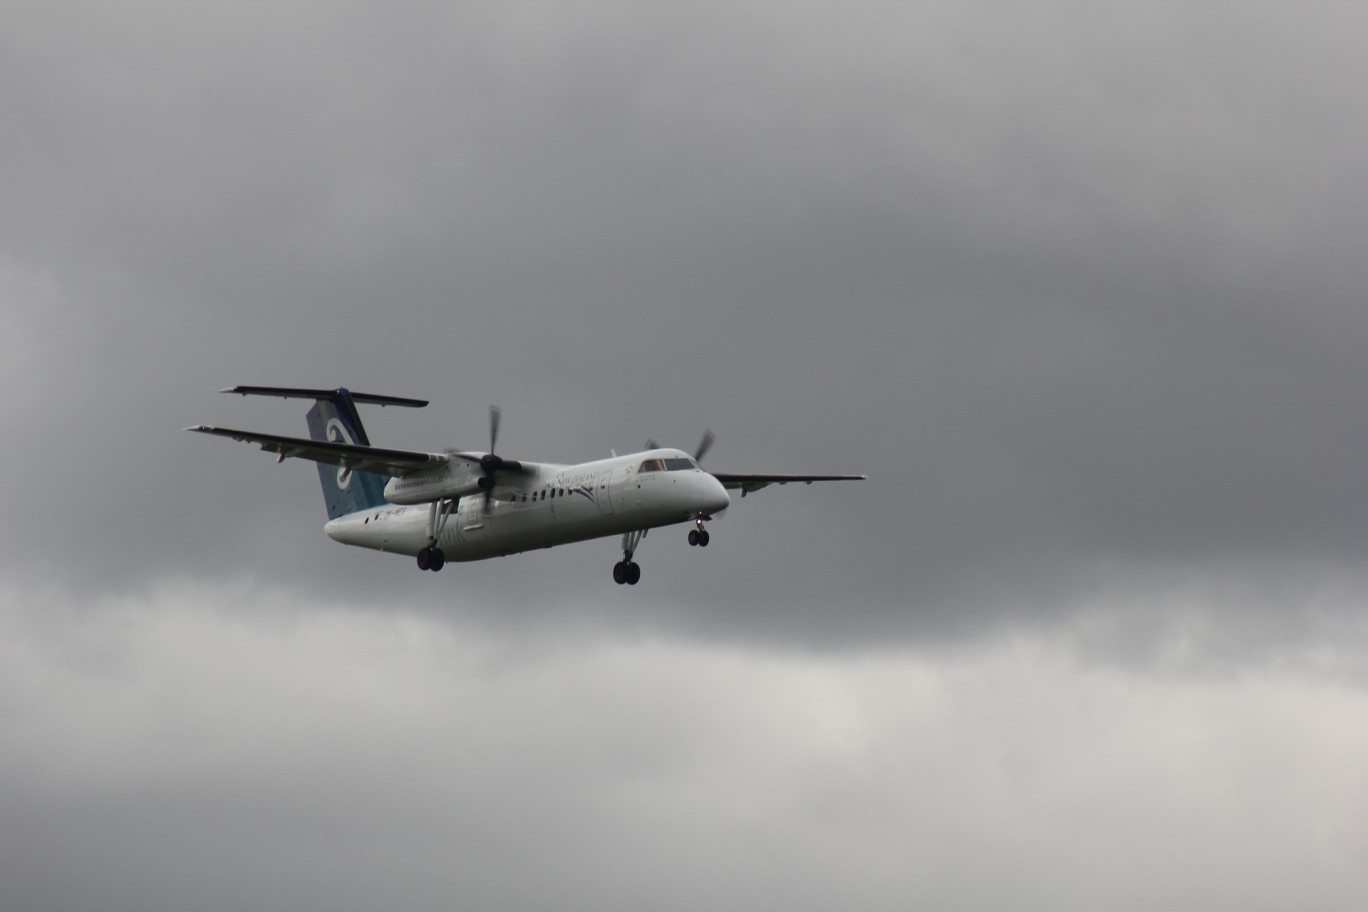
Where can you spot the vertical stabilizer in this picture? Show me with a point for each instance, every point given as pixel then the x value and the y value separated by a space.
pixel 344 490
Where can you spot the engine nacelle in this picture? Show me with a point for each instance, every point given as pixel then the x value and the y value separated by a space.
pixel 450 480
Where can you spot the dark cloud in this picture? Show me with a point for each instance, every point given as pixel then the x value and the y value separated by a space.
pixel 1077 291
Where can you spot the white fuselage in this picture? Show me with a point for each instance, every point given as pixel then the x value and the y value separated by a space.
pixel 546 505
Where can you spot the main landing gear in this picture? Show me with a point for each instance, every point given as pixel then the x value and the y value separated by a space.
pixel 628 571
pixel 431 557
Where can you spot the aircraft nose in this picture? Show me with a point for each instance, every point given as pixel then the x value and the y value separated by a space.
pixel 715 495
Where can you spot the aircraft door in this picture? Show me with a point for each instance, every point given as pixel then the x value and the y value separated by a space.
pixel 472 517
pixel 602 493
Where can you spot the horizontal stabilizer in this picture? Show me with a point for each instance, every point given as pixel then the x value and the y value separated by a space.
pixel 287 392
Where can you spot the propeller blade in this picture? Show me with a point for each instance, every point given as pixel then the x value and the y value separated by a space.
pixel 704 445
pixel 651 444
pixel 495 418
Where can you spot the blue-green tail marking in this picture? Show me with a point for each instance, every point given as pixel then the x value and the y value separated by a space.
pixel 334 417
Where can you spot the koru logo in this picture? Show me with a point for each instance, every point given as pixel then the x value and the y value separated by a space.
pixel 336 432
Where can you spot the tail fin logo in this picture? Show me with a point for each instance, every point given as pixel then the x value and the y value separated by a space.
pixel 336 432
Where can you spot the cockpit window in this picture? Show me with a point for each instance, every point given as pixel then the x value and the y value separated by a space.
pixel 672 464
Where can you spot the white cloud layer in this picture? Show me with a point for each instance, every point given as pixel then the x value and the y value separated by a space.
pixel 234 746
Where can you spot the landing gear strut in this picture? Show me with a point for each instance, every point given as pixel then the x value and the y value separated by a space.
pixel 431 557
pixel 627 571
pixel 698 536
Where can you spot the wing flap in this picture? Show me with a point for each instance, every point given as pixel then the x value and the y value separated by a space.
pixel 380 460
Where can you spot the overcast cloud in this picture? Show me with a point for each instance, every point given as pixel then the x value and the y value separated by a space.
pixel 1080 287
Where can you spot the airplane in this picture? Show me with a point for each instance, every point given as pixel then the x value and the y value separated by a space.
pixel 467 505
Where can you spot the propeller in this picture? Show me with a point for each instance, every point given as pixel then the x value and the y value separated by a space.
pixel 492 464
pixel 704 445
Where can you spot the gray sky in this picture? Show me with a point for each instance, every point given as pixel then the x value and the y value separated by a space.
pixel 1080 287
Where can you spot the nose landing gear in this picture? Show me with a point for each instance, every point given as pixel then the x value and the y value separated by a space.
pixel 698 536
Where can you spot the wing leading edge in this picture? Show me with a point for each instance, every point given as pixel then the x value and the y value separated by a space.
pixel 381 460
pixel 748 483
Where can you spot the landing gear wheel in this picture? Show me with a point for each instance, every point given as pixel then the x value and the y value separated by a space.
pixel 698 536
pixel 625 571
pixel 430 558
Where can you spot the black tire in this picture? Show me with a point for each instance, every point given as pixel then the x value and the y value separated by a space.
pixel 633 574
pixel 693 537
pixel 425 559
pixel 438 560
pixel 703 538
pixel 619 573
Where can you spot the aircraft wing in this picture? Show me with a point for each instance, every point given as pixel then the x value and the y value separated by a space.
pixel 749 483
pixel 380 460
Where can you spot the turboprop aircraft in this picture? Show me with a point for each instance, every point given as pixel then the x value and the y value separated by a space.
pixel 467 505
